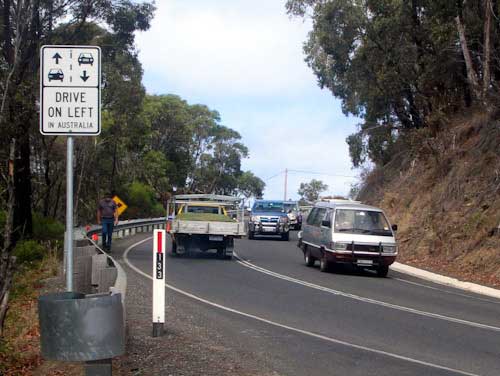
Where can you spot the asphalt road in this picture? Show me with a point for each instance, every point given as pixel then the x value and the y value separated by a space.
pixel 304 322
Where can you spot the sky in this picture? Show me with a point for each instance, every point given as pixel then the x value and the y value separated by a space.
pixel 245 60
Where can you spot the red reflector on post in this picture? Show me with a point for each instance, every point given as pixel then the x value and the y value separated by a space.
pixel 159 242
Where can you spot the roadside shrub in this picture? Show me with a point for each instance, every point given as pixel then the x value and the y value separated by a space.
pixel 28 251
pixel 46 228
pixel 142 202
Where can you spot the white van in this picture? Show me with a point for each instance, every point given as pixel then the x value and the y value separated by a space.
pixel 348 232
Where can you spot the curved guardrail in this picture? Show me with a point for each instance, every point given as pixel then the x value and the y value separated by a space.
pixel 124 228
pixel 96 271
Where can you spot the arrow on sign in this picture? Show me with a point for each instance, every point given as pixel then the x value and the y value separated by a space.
pixel 84 77
pixel 57 57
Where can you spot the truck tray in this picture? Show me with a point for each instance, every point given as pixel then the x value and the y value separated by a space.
pixel 208 227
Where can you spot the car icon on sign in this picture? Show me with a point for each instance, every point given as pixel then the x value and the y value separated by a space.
pixel 85 58
pixel 56 74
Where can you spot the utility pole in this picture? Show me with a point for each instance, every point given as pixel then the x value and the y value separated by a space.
pixel 286 181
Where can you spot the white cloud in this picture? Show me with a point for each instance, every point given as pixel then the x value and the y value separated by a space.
pixel 226 48
pixel 299 139
pixel 244 59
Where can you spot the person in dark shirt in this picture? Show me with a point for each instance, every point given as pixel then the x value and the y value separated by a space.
pixel 107 215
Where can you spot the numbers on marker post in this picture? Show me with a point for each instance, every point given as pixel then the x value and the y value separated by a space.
pixel 159 266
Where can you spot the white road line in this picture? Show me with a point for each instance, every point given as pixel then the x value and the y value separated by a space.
pixel 296 330
pixel 363 299
pixel 446 291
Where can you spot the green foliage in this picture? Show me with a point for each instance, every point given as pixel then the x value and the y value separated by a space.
pixel 250 185
pixel 310 191
pixel 397 64
pixel 28 251
pixel 149 144
pixel 142 201
pixel 356 149
pixel 47 229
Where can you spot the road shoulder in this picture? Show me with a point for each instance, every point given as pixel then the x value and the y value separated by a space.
pixel 190 345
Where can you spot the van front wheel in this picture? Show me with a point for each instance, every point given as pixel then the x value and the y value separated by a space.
pixel 324 265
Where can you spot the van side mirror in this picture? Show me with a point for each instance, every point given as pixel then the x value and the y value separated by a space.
pixel 326 223
pixel 394 227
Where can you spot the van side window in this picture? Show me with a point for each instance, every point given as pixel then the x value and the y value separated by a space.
pixel 319 217
pixel 310 217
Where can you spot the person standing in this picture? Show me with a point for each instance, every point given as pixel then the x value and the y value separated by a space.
pixel 107 216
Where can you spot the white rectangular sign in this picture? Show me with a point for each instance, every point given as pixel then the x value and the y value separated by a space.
pixel 159 244
pixel 70 90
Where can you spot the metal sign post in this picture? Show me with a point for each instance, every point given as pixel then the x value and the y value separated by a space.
pixel 159 244
pixel 70 104
pixel 69 214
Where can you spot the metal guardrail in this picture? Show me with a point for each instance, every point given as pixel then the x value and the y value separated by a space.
pixel 122 229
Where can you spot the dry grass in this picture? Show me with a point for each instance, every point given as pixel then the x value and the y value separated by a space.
pixel 20 347
pixel 446 201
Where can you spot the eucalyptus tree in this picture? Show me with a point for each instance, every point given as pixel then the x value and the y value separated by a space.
pixel 402 65
pixel 26 25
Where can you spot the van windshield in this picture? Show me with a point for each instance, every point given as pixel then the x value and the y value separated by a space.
pixel 361 222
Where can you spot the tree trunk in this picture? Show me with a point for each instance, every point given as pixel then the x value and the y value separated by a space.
pixel 7 261
pixel 488 9
pixel 23 225
pixel 58 199
pixel 471 73
pixel 113 171
pixel 80 178
pixel 48 180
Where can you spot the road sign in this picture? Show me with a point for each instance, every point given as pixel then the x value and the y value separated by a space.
pixel 70 90
pixel 159 244
pixel 120 205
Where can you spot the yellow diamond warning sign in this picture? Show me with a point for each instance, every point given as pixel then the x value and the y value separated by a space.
pixel 121 206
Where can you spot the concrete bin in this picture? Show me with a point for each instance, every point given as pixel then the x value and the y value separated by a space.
pixel 74 327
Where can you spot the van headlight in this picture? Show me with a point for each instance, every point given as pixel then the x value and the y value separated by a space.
pixel 340 246
pixel 255 219
pixel 390 248
pixel 283 219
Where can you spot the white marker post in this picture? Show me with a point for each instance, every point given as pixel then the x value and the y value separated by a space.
pixel 159 245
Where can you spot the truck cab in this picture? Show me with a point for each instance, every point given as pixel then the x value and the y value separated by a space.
pixel 268 217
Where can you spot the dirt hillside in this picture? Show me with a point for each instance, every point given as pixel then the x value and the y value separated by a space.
pixel 442 188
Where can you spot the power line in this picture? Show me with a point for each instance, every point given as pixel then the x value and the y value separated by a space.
pixel 279 173
pixel 322 173
pixel 312 173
